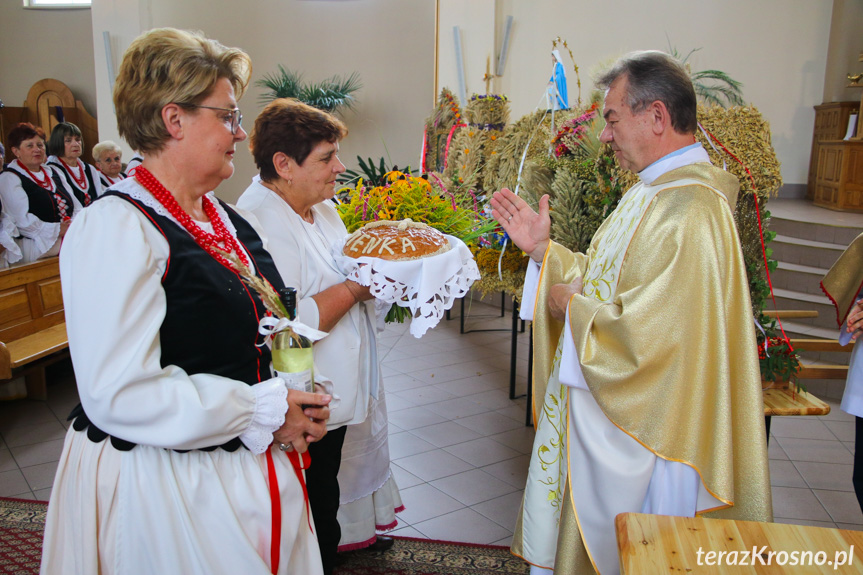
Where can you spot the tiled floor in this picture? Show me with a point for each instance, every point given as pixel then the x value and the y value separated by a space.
pixel 458 443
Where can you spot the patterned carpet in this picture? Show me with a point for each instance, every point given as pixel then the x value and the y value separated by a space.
pixel 21 524
pixel 424 557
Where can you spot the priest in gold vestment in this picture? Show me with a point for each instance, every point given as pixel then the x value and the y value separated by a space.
pixel 646 379
pixel 843 284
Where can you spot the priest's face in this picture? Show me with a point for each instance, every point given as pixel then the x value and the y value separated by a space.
pixel 629 135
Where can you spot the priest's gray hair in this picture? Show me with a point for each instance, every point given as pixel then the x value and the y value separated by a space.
pixel 652 75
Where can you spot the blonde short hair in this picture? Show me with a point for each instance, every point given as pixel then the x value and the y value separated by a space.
pixel 167 65
pixel 106 146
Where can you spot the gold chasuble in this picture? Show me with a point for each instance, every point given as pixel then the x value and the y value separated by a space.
pixel 666 344
pixel 844 280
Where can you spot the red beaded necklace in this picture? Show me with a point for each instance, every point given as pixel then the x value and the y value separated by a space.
pixel 209 242
pixel 47 183
pixel 80 180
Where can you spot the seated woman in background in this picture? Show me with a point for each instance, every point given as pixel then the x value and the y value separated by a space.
pixel 182 456
pixel 35 196
pixel 108 157
pixel 9 254
pixel 351 488
pixel 9 250
pixel 66 146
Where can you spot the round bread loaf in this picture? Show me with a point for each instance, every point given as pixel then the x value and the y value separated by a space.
pixel 396 241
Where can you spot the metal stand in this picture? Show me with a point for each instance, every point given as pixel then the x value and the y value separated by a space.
pixel 462 318
pixel 513 354
pixel 528 419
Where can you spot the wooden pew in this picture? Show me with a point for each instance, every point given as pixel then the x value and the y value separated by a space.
pixel 32 323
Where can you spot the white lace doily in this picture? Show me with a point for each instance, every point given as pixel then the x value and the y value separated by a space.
pixel 427 287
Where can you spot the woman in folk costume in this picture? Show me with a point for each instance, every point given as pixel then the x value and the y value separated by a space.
pixel 10 253
pixel 646 381
pixel 169 465
pixel 843 284
pixel 35 196
pixel 9 250
pixel 351 487
pixel 66 146
pixel 109 161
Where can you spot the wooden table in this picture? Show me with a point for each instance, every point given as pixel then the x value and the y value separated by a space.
pixel 784 402
pixel 650 544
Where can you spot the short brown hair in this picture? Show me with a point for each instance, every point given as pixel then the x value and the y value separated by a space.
pixel 23 131
pixel 289 126
pixel 57 141
pixel 652 75
pixel 167 65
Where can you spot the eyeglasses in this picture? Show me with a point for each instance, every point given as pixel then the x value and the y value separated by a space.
pixel 236 115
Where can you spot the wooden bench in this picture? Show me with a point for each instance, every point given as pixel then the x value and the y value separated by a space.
pixel 32 323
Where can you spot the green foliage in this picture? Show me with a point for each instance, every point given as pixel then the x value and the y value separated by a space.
pixel 372 174
pixel 329 95
pixel 720 90
pixel 714 87
pixel 781 361
pixel 397 314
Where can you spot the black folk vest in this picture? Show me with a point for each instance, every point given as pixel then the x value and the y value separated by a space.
pixel 79 193
pixel 43 205
pixel 211 320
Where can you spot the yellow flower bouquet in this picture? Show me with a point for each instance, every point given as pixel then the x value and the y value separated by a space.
pixel 408 197
pixel 405 196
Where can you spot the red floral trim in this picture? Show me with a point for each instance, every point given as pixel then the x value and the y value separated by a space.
pixel 356 546
pixel 371 541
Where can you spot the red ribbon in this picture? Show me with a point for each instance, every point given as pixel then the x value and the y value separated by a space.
pixel 299 462
pixel 425 151
pixel 760 230
pixel 449 140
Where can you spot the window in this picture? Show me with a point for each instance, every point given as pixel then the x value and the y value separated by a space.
pixel 57 3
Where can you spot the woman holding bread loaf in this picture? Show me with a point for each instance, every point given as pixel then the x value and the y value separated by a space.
pixel 295 147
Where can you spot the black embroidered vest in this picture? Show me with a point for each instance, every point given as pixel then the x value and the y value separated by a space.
pixel 79 193
pixel 211 321
pixel 42 203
